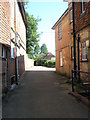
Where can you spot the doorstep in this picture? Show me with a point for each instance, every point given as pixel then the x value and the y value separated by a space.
pixel 80 97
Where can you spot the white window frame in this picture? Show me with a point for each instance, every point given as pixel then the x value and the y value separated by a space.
pixel 71 15
pixel 82 6
pixel 72 52
pixel 84 52
pixel 3 52
pixel 60 59
pixel 59 31
pixel 12 50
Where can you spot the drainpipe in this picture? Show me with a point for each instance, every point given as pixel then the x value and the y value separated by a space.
pixel 16 58
pixel 74 41
pixel 78 58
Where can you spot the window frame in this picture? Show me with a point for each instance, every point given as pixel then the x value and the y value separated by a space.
pixel 82 7
pixel 71 15
pixel 72 52
pixel 3 52
pixel 84 48
pixel 12 50
pixel 59 31
pixel 60 59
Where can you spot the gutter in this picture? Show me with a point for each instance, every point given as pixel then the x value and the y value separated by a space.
pixel 59 19
pixel 16 58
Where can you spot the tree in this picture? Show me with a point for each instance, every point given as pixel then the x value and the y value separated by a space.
pixel 32 36
pixel 44 49
pixel 36 49
pixel 25 3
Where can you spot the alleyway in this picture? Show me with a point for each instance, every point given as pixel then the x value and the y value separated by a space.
pixel 43 94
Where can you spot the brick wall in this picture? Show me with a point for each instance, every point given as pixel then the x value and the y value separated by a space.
pixel 64 45
pixel 82 27
pixel 11 68
pixel 82 20
pixel 6 34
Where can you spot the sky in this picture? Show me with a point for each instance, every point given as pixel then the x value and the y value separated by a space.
pixel 49 12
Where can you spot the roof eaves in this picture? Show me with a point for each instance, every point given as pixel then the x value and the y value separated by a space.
pixel 22 10
pixel 59 19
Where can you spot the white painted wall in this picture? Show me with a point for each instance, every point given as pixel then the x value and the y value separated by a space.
pixel 29 63
pixel 20 26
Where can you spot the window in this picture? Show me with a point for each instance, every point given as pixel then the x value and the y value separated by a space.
pixel 12 49
pixel 71 15
pixel 20 50
pixel 59 28
pixel 82 6
pixel 72 52
pixel 60 58
pixel 84 51
pixel 3 52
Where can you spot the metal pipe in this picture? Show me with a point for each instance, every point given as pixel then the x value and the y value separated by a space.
pixel 72 82
pixel 74 41
pixel 16 59
pixel 78 58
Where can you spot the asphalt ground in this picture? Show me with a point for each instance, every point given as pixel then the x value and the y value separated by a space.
pixel 43 94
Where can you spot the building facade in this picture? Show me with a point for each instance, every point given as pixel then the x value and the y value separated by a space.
pixel 12 41
pixel 82 28
pixel 64 45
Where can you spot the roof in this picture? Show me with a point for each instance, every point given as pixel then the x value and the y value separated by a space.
pixel 60 19
pixel 50 54
pixel 22 10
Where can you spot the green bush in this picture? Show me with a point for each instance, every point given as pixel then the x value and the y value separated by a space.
pixel 45 62
pixel 49 63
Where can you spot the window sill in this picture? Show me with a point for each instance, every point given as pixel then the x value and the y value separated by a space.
pixel 86 60
pixel 82 14
pixel 3 58
pixel 71 21
pixel 72 59
pixel 61 66
pixel 12 58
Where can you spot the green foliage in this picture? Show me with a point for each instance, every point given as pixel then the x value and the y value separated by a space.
pixel 44 49
pixel 36 49
pixel 32 36
pixel 49 63
pixel 38 57
pixel 44 62
pixel 25 3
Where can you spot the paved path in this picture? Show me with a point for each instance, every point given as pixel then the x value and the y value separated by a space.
pixel 43 94
pixel 40 68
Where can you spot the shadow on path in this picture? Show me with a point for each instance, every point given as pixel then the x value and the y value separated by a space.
pixel 43 94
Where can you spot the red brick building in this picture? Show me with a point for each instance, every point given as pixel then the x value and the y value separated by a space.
pixel 12 41
pixel 82 28
pixel 64 38
pixel 62 44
